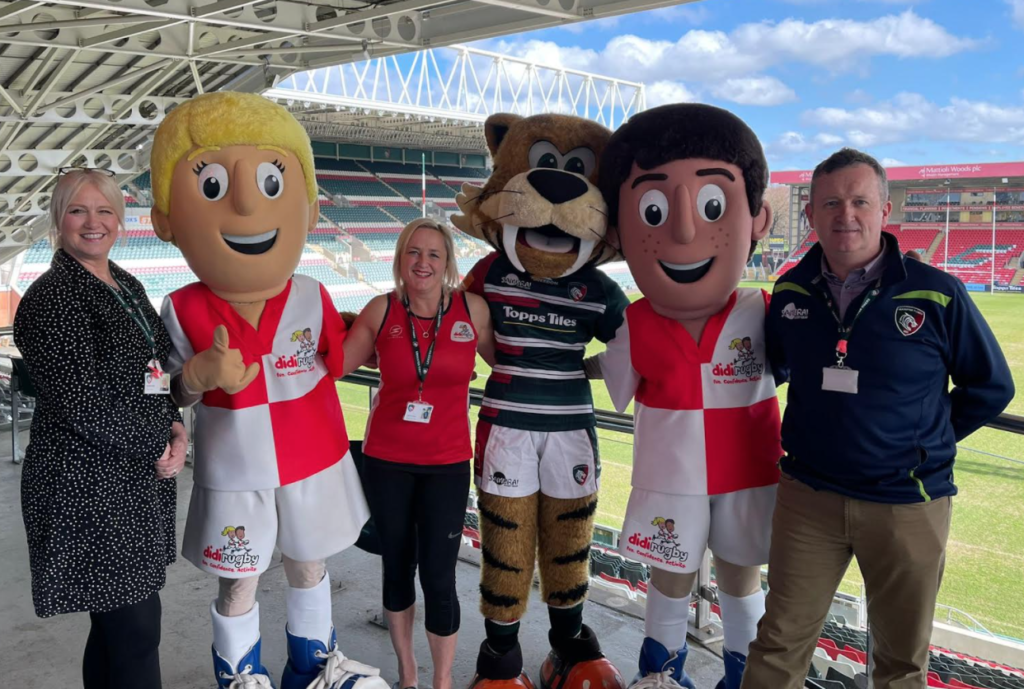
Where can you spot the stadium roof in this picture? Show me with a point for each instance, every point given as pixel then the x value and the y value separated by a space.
pixel 963 175
pixel 86 81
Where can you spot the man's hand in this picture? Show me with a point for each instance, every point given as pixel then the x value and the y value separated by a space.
pixel 914 255
pixel 219 367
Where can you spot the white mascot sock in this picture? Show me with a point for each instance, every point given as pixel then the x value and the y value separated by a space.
pixel 666 619
pixel 739 619
pixel 233 637
pixel 309 612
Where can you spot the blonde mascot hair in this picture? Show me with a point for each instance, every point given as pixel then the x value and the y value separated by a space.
pixel 226 118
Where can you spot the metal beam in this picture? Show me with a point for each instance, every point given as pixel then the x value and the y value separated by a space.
pixel 195 76
pixel 376 13
pixel 51 81
pixel 11 100
pixel 85 93
pixel 152 83
pixel 74 23
pixel 17 8
pixel 532 8
pixel 128 32
pixel 299 50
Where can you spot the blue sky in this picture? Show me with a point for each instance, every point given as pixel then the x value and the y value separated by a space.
pixel 912 82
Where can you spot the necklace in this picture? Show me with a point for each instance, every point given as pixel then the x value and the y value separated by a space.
pixel 426 328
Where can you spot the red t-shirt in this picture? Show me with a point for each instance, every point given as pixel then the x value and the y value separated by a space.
pixel 445 440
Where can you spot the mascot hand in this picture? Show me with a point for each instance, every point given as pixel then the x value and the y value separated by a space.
pixel 349 318
pixel 219 367
pixel 466 200
pixel 592 368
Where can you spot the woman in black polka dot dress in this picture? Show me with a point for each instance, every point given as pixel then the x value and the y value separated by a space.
pixel 98 493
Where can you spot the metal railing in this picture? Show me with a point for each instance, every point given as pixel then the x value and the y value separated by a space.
pixel 703 627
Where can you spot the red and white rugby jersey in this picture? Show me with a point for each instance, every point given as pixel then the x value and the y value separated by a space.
pixel 287 424
pixel 706 417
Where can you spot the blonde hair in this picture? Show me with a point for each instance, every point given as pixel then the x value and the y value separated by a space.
pixel 450 280
pixel 226 118
pixel 68 186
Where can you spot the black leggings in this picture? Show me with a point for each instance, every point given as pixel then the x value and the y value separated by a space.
pixel 419 512
pixel 123 650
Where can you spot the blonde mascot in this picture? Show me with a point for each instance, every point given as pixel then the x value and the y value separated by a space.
pixel 234 189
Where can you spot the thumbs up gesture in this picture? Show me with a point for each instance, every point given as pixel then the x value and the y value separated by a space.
pixel 219 367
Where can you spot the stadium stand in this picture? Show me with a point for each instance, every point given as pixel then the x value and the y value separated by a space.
pixel 619 272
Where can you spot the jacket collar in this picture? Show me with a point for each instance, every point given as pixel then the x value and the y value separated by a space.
pixel 808 270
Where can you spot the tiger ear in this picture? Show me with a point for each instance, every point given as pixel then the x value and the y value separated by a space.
pixel 496 127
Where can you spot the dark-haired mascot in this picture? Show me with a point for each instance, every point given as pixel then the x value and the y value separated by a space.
pixel 536 457
pixel 684 185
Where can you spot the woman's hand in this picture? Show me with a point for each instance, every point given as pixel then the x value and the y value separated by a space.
pixel 173 459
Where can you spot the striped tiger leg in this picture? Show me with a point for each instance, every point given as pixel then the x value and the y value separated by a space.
pixel 566 529
pixel 508 540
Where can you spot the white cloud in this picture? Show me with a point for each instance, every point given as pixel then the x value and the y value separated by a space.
pixel 892 162
pixel 858 97
pixel 713 57
pixel 1017 9
pixel 661 92
pixel 754 91
pixel 695 15
pixel 603 24
pixel 795 142
pixel 910 116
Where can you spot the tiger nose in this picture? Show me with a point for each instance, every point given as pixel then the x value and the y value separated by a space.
pixel 557 186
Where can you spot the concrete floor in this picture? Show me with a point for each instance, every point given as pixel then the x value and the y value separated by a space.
pixel 46 654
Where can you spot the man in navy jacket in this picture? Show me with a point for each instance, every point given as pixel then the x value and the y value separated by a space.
pixel 869 342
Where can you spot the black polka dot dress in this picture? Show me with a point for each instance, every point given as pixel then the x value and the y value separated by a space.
pixel 100 525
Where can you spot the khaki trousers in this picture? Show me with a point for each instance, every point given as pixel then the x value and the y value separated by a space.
pixel 901 552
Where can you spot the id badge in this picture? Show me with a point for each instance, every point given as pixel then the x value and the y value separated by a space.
pixel 158 382
pixel 418 412
pixel 837 379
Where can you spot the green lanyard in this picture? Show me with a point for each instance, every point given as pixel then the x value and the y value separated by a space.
pixel 135 313
pixel 845 330
pixel 423 367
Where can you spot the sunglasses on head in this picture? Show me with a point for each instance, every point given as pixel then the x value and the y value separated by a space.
pixel 69 170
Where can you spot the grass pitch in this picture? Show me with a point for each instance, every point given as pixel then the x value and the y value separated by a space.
pixel 984 574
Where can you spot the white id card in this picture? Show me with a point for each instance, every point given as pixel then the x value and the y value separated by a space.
pixel 418 412
pixel 157 381
pixel 838 379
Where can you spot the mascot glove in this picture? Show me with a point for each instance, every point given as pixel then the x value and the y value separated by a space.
pixel 218 367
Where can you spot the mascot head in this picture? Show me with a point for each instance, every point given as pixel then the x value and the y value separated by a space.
pixel 234 187
pixel 541 205
pixel 685 186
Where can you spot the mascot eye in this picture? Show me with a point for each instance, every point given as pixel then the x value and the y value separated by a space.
pixel 711 202
pixel 544 154
pixel 270 180
pixel 582 161
pixel 653 208
pixel 213 181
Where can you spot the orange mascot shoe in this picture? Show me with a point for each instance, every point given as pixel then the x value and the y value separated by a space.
pixel 579 664
pixel 494 671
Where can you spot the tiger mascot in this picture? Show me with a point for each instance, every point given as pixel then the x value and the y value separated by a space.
pixel 536 461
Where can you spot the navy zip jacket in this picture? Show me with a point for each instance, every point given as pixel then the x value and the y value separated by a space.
pixel 895 440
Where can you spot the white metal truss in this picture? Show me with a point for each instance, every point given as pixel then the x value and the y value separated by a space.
pixel 93 78
pixel 455 88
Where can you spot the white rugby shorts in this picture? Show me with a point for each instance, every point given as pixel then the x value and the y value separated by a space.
pixel 671 532
pixel 233 533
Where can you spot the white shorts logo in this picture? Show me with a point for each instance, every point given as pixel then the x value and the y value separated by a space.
pixel 462 332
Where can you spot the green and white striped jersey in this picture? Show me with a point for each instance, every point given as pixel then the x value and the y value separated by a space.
pixel 541 329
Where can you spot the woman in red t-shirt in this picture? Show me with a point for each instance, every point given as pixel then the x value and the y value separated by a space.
pixel 425 335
